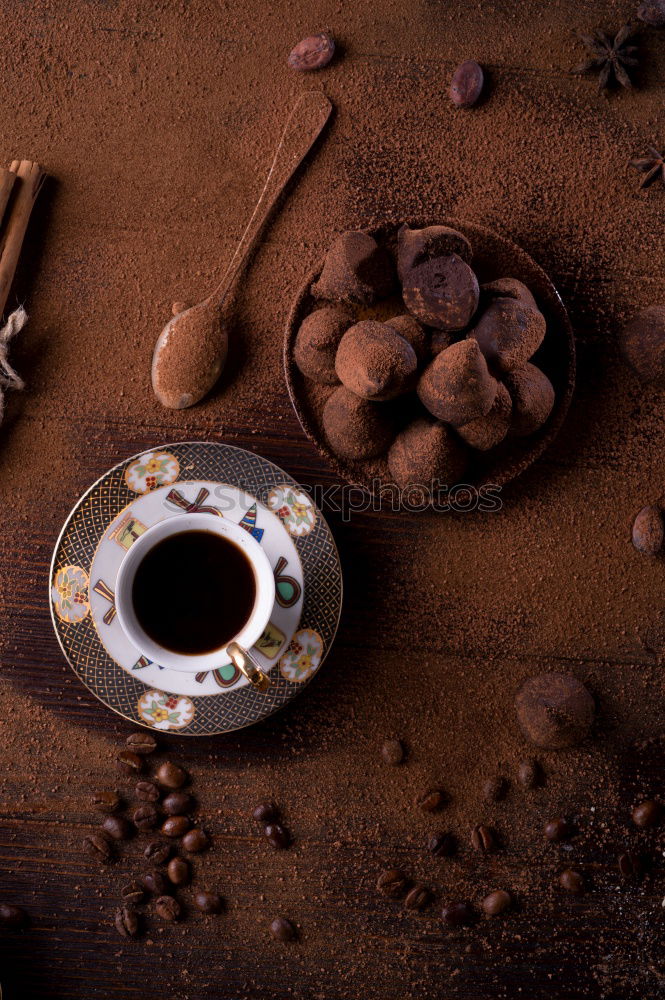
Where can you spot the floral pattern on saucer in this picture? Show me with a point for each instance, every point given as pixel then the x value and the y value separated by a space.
pixel 155 468
pixel 303 657
pixel 165 711
pixel 69 594
pixel 294 508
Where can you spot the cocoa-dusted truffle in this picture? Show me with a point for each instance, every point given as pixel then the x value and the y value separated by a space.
pixel 643 344
pixel 648 531
pixel 532 394
pixel 356 270
pixel 317 342
pixel 425 451
pixel 412 331
pixel 415 246
pixel 457 386
pixel 555 710
pixel 356 428
pixel 375 362
pixel 509 333
pixel 508 288
pixel 488 431
pixel 442 292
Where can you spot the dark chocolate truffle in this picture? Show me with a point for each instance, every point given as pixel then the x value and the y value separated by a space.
pixel 442 292
pixel 509 333
pixel 648 531
pixel 507 288
pixel 356 270
pixel 415 246
pixel 412 331
pixel 532 394
pixel 555 710
pixel 375 362
pixel 354 427
pixel 488 431
pixel 457 386
pixel 426 451
pixel 317 342
pixel 643 344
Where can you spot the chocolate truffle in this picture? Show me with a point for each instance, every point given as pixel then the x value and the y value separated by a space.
pixel 426 451
pixel 442 292
pixel 457 386
pixel 354 427
pixel 643 344
pixel 317 342
pixel 509 333
pixel 532 394
pixel 415 246
pixel 356 270
pixel 488 431
pixel 648 531
pixel 412 331
pixel 555 710
pixel 375 362
pixel 507 288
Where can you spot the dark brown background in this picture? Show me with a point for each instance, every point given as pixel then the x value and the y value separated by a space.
pixel 156 123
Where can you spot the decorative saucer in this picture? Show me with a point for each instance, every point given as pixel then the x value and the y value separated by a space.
pixel 145 489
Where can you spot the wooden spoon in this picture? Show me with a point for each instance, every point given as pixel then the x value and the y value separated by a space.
pixel 191 349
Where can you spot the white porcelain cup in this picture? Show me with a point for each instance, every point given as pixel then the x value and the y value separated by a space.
pixel 238 649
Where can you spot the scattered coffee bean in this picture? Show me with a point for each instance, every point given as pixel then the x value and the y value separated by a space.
pixel 282 929
pixel 313 52
pixel 129 762
pixel 458 914
pixel 418 898
pixel 155 882
pixel 157 851
pixel 442 845
pixel 558 829
pixel 431 800
pixel 171 775
pixel 208 902
pixel 555 710
pixel 571 881
pixel 13 917
pixel 483 839
pixel 175 826
pixel 141 743
pixel 646 814
pixel 146 817
pixel 178 871
pixel 147 791
pixel 126 921
pixel 529 774
pixel 496 902
pixel 132 893
pixel 167 908
pixel 97 845
pixel 118 828
pixel 106 802
pixel 630 865
pixel 178 803
pixel 393 883
pixel 466 84
pixel 277 836
pixel 195 841
pixel 392 752
pixel 265 812
pixel 495 789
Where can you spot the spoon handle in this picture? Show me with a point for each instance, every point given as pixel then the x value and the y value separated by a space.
pixel 304 126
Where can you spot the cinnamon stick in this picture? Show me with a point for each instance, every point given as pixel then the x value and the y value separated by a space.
pixel 7 178
pixel 30 178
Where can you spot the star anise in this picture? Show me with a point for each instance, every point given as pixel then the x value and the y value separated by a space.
pixel 652 165
pixel 610 56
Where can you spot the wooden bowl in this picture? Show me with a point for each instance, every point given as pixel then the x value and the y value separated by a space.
pixel 493 257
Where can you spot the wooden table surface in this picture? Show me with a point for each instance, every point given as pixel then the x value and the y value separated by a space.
pixel 145 201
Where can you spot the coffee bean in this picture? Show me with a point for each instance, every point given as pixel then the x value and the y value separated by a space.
pixel 418 898
pixel 442 845
pixel 13 917
pixel 132 893
pixel 175 826
pixel 171 775
pixel 555 710
pixel 146 817
pixel 431 800
pixel 483 839
pixel 167 908
pixel 496 902
pixel 155 882
pixel 558 829
pixel 630 865
pixel 126 921
pixel 313 52
pixel 466 84
pixel 118 828
pixel 393 883
pixel 277 836
pixel 147 791
pixel 129 762
pixel 178 871
pixel 281 929
pixel 195 841
pixel 646 814
pixel 265 812
pixel 106 802
pixel 529 774
pixel 178 803
pixel 571 881
pixel 649 531
pixel 458 914
pixel 392 752
pixel 208 902
pixel 98 846
pixel 495 789
pixel 141 743
pixel 157 851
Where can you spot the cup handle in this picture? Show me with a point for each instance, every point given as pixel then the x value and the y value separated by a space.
pixel 248 666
